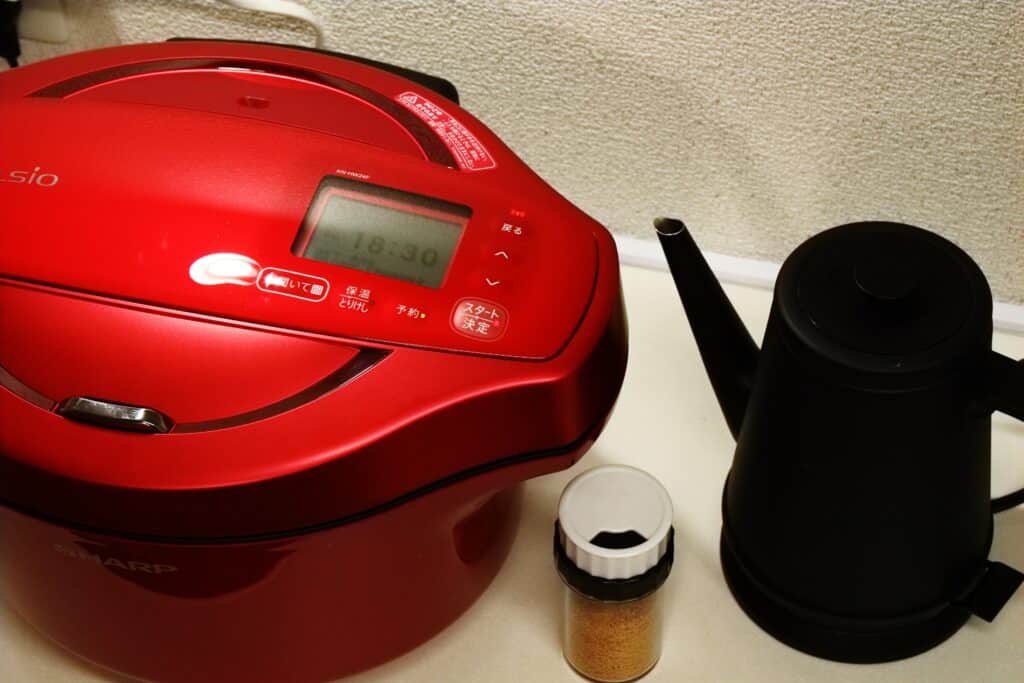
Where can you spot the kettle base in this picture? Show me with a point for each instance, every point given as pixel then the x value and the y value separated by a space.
pixel 812 637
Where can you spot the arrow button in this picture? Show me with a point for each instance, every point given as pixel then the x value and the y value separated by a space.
pixel 499 262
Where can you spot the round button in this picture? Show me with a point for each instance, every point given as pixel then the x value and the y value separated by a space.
pixel 512 228
pixel 479 319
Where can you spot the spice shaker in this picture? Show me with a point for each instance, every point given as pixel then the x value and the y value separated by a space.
pixel 614 549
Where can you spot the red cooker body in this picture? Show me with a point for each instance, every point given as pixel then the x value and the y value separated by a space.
pixel 339 481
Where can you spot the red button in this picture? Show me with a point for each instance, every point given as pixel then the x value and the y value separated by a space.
pixel 290 283
pixel 512 228
pixel 494 280
pixel 410 312
pixel 496 269
pixel 479 319
pixel 356 299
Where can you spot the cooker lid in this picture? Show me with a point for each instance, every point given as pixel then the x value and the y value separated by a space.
pixel 278 389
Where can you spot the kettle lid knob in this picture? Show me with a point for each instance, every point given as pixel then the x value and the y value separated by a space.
pixel 888 277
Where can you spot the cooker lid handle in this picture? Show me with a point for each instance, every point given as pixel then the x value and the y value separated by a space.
pixel 115 415
pixel 441 86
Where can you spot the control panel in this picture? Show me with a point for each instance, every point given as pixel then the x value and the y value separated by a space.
pixel 391 265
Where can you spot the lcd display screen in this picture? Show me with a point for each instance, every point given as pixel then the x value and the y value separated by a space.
pixel 384 231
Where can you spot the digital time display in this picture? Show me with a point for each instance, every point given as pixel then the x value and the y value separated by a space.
pixel 384 231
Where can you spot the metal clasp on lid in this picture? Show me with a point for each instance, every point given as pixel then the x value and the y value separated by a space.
pixel 115 415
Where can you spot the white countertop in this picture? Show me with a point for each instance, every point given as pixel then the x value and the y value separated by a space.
pixel 667 422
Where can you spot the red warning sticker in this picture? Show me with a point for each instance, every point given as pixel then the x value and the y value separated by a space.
pixel 469 153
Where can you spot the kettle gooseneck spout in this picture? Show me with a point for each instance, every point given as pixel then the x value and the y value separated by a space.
pixel 729 353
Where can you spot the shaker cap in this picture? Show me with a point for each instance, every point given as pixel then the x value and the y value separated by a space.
pixel 615 522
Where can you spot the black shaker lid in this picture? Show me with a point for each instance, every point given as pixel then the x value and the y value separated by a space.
pixel 886 289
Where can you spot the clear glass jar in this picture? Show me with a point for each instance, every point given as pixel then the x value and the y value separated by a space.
pixel 614 548
pixel 611 641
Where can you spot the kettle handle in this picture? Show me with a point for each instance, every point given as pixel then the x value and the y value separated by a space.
pixel 1007 385
pixel 1007 396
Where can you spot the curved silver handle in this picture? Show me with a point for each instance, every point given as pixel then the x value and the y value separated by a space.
pixel 115 415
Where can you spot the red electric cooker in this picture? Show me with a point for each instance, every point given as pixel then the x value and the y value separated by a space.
pixel 279 333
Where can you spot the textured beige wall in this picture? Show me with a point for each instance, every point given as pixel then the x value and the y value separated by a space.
pixel 758 122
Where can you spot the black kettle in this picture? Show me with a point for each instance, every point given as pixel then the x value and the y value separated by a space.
pixel 857 518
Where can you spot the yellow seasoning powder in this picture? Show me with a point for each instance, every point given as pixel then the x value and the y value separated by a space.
pixel 611 641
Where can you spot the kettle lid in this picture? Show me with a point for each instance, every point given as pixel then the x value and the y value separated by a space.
pixel 887 289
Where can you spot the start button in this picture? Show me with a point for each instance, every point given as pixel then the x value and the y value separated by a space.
pixel 479 319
